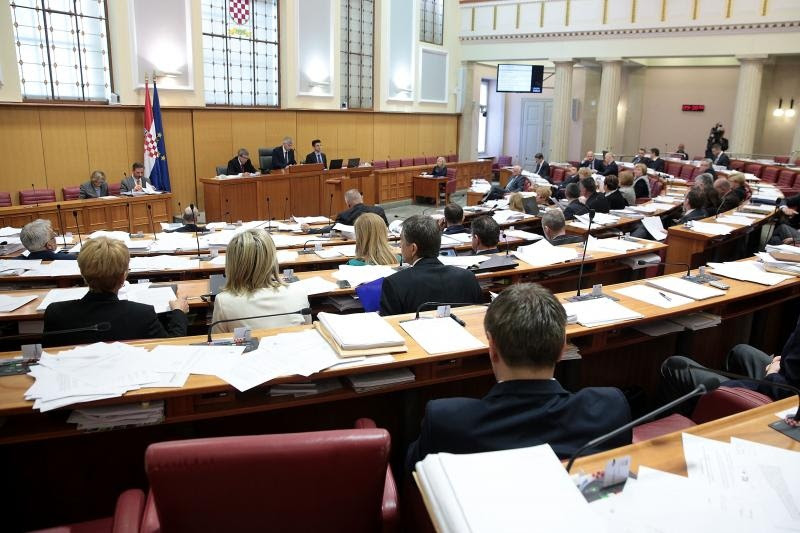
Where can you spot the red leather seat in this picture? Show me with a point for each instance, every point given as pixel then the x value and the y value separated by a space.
pixel 430 159
pixel 393 163
pixel 452 158
pixel 420 161
pixel 71 193
pixel 407 162
pixel 450 186
pixel 113 189
pixel 770 174
pixel 737 164
pixel 695 172
pixel 127 517
pixel 673 168
pixel 380 163
pixel 783 159
pixel 5 199
pixel 502 161
pixel 687 171
pixel 655 187
pixel 753 168
pixel 786 178
pixel 557 174
pixel 36 196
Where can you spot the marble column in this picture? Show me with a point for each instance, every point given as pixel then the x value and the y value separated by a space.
pixel 468 125
pixel 794 149
pixel 748 93
pixel 610 87
pixel 562 110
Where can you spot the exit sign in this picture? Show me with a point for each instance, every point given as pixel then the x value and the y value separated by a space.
pixel 693 107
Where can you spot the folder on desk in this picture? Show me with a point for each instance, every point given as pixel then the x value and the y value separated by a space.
pixel 360 334
pixel 689 289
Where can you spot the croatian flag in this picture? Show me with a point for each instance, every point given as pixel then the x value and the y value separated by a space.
pixel 155 149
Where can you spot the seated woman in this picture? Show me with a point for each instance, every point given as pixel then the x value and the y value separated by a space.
pixel 626 187
pixel 441 167
pixel 104 267
pixel 613 194
pixel 253 286
pixel 739 186
pixel 372 245
pixel 641 183
pixel 543 194
pixel 515 202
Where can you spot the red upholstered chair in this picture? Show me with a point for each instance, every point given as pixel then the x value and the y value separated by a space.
pixel 673 168
pixel 450 186
pixel 695 172
pixel 420 161
pixel 786 178
pixel 737 164
pixel 754 168
pixel 797 162
pixel 430 159
pixel 113 188
pixel 770 174
pixel 5 199
pixel 127 517
pixel 655 187
pixel 36 196
pixel 452 158
pixel 71 193
pixel 557 174
pixel 502 161
pixel 687 171
pixel 782 159
pixel 407 162
pixel 393 163
pixel 379 163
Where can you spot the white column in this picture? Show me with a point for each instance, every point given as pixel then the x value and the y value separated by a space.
pixel 794 149
pixel 748 92
pixel 562 110
pixel 610 86
pixel 468 125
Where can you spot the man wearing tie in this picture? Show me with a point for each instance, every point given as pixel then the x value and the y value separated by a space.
pixel 720 157
pixel 590 162
pixel 317 156
pixel 283 155
pixel 240 164
pixel 136 182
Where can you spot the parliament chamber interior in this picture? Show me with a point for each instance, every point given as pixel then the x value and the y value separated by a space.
pixel 399 265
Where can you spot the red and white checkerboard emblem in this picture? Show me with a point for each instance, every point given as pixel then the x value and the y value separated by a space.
pixel 150 145
pixel 239 10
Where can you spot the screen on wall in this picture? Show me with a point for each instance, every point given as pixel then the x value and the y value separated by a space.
pixel 519 78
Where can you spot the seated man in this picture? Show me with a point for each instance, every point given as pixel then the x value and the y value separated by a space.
pixel 613 194
pixel 592 198
pixel 572 175
pixel 189 220
pixel 727 198
pixel 355 208
pixel 591 163
pixel 453 220
pixel 706 167
pixel 609 165
pixel 95 187
pixel 541 167
pixel 240 164
pixel 525 329
pixel 720 159
pixel 104 267
pixel 656 163
pixel 742 359
pixel 786 232
pixel 283 155
pixel 693 209
pixel 641 157
pixel 485 235
pixel 428 280
pixel 574 205
pixel 39 239
pixel 317 156
pixel 553 225
pixel 136 182
pixel 517 181
pixel 681 151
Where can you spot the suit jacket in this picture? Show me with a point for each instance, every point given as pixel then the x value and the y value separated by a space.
pixel 616 200
pixel 657 165
pixel 516 184
pixel 311 158
pixel 574 208
pixel 595 164
pixel 643 160
pixel 129 320
pixel 439 171
pixel 722 160
pixel 793 201
pixel 350 216
pixel 48 255
pixel 278 161
pixel 457 228
pixel 490 251
pixel 598 202
pixel 566 238
pixel 87 190
pixel 610 169
pixel 234 167
pixel 129 183
pixel 428 281
pixel 641 187
pixel 543 170
pixel 521 413
pixel 730 201
pixel 694 214
pixel 683 154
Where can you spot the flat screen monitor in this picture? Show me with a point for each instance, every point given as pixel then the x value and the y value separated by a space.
pixel 519 78
pixel 335 164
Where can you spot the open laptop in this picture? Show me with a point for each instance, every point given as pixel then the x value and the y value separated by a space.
pixel 353 162
pixel 335 163
pixel 530 206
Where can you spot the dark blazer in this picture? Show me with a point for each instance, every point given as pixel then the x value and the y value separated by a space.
pixel 516 184
pixel 793 201
pixel 616 200
pixel 490 251
pixel 87 190
pixel 129 320
pixel 643 160
pixel 598 202
pixel 428 281
pixel 234 167
pixel 439 171
pixel 694 214
pixel 187 228
pixel 574 208
pixel 278 160
pixel 457 228
pixel 48 255
pixel 558 240
pixel 311 159
pixel 640 188
pixel 722 160
pixel 595 164
pixel 521 413
pixel 543 171
pixel 657 164
pixel 730 201
pixel 129 183
pixel 610 169
pixel 350 216
pixel 683 154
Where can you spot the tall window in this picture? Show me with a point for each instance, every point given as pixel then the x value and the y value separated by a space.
pixel 240 52
pixel 431 21
pixel 357 66
pixel 62 49
pixel 483 111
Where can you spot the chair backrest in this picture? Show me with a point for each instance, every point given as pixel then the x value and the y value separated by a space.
pixel 451 173
pixel 393 163
pixel 264 151
pixel 420 160
pixel 264 162
pixel 71 193
pixel 673 168
pixel 406 161
pixel 786 178
pixel 36 196
pixel 452 158
pixel 114 188
pixel 431 159
pixel 770 174
pixel 504 160
pixel 221 171
pixel 696 172
pixel 754 168
pixel 783 159
pixel 557 174
pixel 726 401
pixel 380 163
pixel 273 481
pixel 5 199
pixel 655 188
pixel 370 295
pixel 737 164
pixel 687 172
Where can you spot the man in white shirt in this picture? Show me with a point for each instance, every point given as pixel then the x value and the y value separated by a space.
pixel 136 182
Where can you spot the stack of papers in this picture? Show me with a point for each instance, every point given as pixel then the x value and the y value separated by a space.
pixel 697 321
pixel 751 271
pixel 613 245
pixel 689 289
pixel 600 219
pixel 760 209
pixel 346 250
pixel 659 328
pixel 633 262
pixel 570 352
pixel 441 335
pixel 310 388
pixel 365 331
pixel 158 297
pixel 711 228
pixel 160 262
pixel 463 261
pixel 315 285
pixel 12 303
pixel 15 267
pixel 780 267
pixel 524 235
pixel 736 220
pixel 507 215
pixel 312 220
pixel 117 416
pixel 54 269
pixel 542 253
pixel 655 227
pixel 380 380
pixel 600 311
pixel 455 239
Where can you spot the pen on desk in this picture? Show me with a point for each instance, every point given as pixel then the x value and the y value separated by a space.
pixel 667 298
pixel 458 320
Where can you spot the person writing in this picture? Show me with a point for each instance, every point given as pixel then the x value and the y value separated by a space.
pixel 240 164
pixel 136 182
pixel 253 286
pixel 95 187
pixel 372 244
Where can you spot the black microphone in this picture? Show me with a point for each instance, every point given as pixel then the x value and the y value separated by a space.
pixel 698 391
pixel 304 251
pixel 61 224
pixel 577 296
pixel 33 191
pixel 227 210
pixel 152 226
pixel 642 262
pixel 774 223
pixel 505 238
pixel 197 235
pixel 77 226
pixel 252 343
pixel 721 200
pixel 332 222
pixel 269 217
pixel 285 207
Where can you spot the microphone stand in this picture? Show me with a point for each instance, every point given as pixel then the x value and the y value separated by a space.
pixel 304 251
pixel 252 342
pixel 285 207
pixel 197 235
pixel 61 224
pixel 578 296
pixel 332 223
pixel 269 217
pixel 77 227
pixel 437 304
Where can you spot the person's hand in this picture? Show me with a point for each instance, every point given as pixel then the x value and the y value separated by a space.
pixel 138 188
pixel 180 304
pixel 245 174
pixel 305 227
pixel 788 211
pixel 442 224
pixel 774 366
pixel 790 241
pixel 581 199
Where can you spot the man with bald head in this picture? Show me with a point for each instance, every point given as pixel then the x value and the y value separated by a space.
pixel 728 199
pixel 590 162
pixel 517 181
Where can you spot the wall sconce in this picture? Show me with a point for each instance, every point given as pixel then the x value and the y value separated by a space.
pixel 778 112
pixel 790 112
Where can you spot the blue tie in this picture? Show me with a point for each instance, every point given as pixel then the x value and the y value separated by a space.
pixel 319 158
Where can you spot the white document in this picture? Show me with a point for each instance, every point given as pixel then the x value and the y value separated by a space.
pixel 286 256
pixel 54 269
pixel 542 253
pixel 463 261
pixel 653 296
pixel 311 220
pixel 441 335
pixel 12 303
pixel 689 289
pixel 357 275
pixel 751 271
pixel 327 253
pixel 736 220
pixel 455 239
pixel 655 227
pixel 62 295
pixel 613 245
pixel 600 311
pixel 659 328
pixel 711 228
pixel 524 235
pixel 360 331
pixel 8 231
pixel 158 297
pixel 315 285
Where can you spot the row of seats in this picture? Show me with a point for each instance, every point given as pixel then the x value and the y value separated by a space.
pixel 412 161
pixel 41 196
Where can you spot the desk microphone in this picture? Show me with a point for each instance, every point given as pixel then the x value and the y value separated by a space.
pixel 152 226
pixel 332 223
pixel 227 211
pixel 269 217
pixel 304 251
pixel 698 391
pixel 578 297
pixel 285 207
pixel 61 224
pixel 252 343
pixel 423 305
pixel 197 235
pixel 701 276
pixel 505 238
pixel 77 226
pixel 33 192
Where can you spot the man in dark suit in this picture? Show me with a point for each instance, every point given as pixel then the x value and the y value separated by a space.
pixel 570 176
pixel 590 162
pixel 283 155
pixel 641 157
pixel 355 208
pixel 136 182
pixel 189 220
pixel 525 329
pixel 39 239
pixel 316 156
pixel 728 200
pixel 485 235
pixel 428 280
pixel 681 151
pixel 720 158
pixel 574 206
pixel 609 165
pixel 453 220
pixel 613 194
pixel 95 187
pixel 104 265
pixel 656 163
pixel 240 164
pixel 541 167
pixel 594 200
pixel 692 207
pixel 553 226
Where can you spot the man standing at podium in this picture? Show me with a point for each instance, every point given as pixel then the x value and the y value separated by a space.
pixel 317 156
pixel 240 164
pixel 283 155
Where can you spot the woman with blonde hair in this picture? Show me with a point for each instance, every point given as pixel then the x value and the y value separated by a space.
pixel 543 194
pixel 626 186
pixel 372 245
pixel 739 186
pixel 641 182
pixel 515 202
pixel 253 286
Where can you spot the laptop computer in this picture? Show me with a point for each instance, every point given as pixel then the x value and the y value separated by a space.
pixel 335 163
pixel 353 162
pixel 530 206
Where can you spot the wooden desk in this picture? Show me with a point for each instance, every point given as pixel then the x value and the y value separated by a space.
pixel 126 213
pixel 428 187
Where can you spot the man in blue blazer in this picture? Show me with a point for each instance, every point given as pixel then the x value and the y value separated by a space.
pixel 525 329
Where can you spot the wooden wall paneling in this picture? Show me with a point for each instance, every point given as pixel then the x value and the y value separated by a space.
pixel 180 157
pixel 305 195
pixel 213 143
pixel 119 216
pixel 278 189
pixel 134 134
pixel 385 138
pixel 95 217
pixel 363 135
pixel 248 130
pixel 21 151
pixel 280 124
pixel 328 127
pixel 308 130
pixel 65 147
pixel 425 136
pixel 106 140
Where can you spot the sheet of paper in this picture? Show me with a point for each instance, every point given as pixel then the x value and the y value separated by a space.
pixel 158 297
pixel 357 275
pixel 711 228
pixel 463 261
pixel 315 285
pixel 525 235
pixel 542 253
pixel 286 256
pixel 653 296
pixel 62 295
pixel 689 289
pixel 11 303
pixel 361 331
pixel 655 227
pixel 735 220
pixel 600 311
pixel 613 245
pixel 441 335
pixel 751 271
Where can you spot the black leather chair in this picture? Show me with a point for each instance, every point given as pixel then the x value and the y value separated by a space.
pixel 265 159
pixel 221 171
